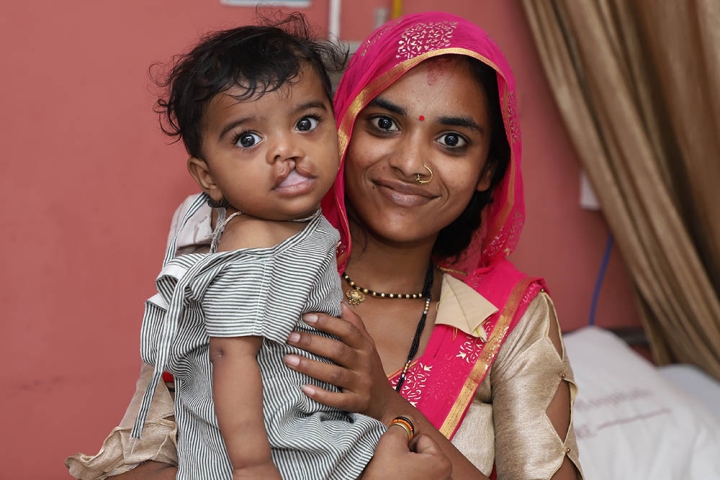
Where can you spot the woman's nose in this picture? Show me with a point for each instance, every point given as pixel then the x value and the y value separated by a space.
pixel 409 156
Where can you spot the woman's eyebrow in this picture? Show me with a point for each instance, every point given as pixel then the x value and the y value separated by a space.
pixel 461 122
pixel 389 106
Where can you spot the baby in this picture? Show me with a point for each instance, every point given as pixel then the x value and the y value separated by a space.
pixel 253 108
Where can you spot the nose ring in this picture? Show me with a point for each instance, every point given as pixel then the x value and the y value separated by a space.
pixel 418 176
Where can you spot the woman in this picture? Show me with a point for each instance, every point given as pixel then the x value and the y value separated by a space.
pixel 430 144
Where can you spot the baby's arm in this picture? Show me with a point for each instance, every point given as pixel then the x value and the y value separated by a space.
pixel 238 397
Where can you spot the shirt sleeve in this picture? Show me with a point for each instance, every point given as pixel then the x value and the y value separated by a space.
pixel 246 299
pixel 119 453
pixel 525 378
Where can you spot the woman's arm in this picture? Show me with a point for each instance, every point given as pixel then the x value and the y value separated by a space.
pixel 119 453
pixel 360 376
pixel 533 388
pixel 394 458
pixel 149 471
pixel 237 381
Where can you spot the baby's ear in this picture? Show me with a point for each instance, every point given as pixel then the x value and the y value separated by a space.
pixel 200 171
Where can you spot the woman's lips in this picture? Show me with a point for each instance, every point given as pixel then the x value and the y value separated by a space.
pixel 403 194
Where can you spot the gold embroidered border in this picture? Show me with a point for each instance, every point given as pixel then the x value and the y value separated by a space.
pixel 501 217
pixel 489 352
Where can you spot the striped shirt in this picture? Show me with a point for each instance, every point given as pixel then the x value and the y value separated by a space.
pixel 254 292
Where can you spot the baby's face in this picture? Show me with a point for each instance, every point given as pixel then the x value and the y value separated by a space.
pixel 273 157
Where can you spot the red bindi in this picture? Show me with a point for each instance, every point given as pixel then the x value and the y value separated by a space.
pixel 422 117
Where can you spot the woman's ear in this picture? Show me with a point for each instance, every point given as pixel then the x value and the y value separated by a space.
pixel 486 175
pixel 200 171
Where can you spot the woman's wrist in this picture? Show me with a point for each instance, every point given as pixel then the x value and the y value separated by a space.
pixel 396 406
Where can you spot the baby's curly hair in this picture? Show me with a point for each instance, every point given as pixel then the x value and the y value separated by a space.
pixel 258 58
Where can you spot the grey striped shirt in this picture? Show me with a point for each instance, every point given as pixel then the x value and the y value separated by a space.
pixel 253 292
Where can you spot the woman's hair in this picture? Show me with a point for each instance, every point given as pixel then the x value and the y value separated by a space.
pixel 257 58
pixel 456 237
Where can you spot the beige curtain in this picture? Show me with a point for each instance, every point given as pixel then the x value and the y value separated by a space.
pixel 637 83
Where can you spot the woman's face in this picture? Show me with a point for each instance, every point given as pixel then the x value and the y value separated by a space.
pixel 434 116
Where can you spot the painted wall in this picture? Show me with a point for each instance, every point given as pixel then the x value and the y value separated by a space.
pixel 88 185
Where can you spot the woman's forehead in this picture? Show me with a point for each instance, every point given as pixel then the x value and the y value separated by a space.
pixel 445 82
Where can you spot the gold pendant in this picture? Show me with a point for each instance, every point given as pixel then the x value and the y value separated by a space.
pixel 355 297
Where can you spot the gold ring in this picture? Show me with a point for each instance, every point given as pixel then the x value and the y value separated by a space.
pixel 418 178
pixel 405 424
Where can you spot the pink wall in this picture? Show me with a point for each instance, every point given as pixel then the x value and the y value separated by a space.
pixel 93 184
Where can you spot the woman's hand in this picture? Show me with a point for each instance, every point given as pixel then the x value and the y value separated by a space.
pixel 365 389
pixel 394 458
pixel 358 371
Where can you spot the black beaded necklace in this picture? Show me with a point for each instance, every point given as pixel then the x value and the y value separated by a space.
pixel 426 293
pixel 356 294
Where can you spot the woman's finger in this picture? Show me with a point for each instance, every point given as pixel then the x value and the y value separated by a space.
pixel 323 371
pixel 331 348
pixel 424 444
pixel 345 399
pixel 349 327
pixel 426 447
pixel 395 440
pixel 339 400
pixel 343 348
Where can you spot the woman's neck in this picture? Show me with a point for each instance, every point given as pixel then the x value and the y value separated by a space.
pixel 384 266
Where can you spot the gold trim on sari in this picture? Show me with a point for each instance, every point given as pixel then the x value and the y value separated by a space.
pixel 489 352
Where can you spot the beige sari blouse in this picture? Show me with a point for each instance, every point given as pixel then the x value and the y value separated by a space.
pixel 507 422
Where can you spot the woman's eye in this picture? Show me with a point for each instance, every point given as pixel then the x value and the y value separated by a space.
pixel 307 124
pixel 384 123
pixel 247 140
pixel 452 140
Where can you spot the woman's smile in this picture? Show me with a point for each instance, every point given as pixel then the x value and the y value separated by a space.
pixel 403 194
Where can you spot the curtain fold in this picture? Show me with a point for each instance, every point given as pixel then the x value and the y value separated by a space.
pixel 637 83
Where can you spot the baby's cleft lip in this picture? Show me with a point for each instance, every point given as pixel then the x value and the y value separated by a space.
pixel 294 183
pixel 291 179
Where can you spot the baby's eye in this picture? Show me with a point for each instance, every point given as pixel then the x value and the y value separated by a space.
pixel 307 124
pixel 247 140
pixel 384 123
pixel 452 140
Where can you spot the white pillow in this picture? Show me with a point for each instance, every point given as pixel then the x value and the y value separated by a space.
pixel 630 422
pixel 696 383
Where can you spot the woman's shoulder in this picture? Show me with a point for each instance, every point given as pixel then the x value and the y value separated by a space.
pixel 537 330
pixel 196 234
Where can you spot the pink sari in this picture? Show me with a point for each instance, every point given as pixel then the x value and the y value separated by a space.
pixel 459 362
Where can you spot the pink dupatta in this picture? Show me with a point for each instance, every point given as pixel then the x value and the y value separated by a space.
pixel 459 362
